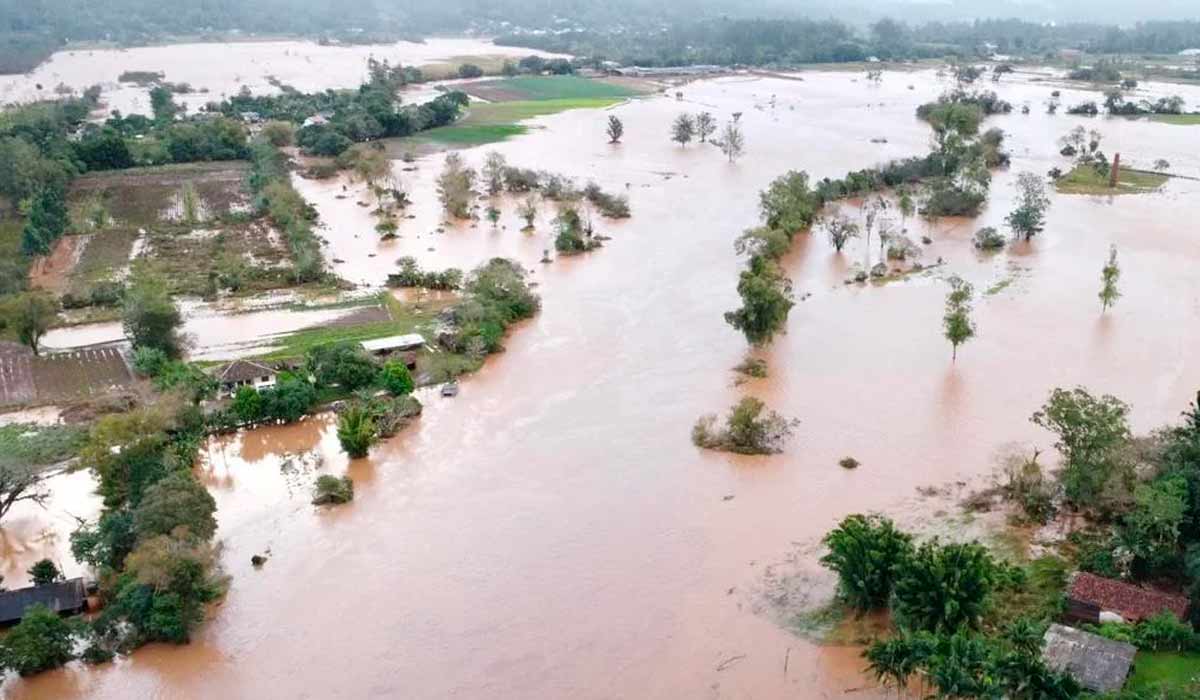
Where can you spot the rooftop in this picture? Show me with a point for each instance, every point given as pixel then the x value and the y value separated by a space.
pixel 60 596
pixel 409 341
pixel 1099 664
pixel 1131 602
pixel 243 371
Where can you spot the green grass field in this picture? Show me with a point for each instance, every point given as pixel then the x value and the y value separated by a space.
pixel 1154 668
pixel 511 101
pixel 558 87
pixel 1084 179
pixel 1177 119
pixel 489 122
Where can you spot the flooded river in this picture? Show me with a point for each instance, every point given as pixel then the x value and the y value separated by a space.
pixel 552 532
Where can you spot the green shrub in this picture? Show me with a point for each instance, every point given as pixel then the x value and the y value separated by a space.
pixel 866 552
pixel 396 378
pixel 330 490
pixel 40 642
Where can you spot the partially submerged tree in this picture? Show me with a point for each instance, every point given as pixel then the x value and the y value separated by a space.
pixel 494 165
pixel 615 129
pixel 1109 275
pixel 705 126
pixel 749 429
pixel 956 322
pixel 732 142
pixel 455 185
pixel 528 210
pixel 683 129
pixel 30 315
pixel 1029 218
pixel 840 230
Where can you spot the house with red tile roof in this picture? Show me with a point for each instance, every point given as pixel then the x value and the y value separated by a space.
pixel 1092 598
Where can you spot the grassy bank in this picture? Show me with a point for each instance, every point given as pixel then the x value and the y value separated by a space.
pixel 1084 179
pixel 1164 668
pixel 1177 119
pixel 405 318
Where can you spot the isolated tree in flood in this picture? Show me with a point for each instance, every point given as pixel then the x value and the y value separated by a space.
pixel 906 206
pixel 494 165
pixel 528 210
pixel 956 322
pixel 1029 218
pixel 705 126
pixel 683 129
pixel 615 129
pixel 732 142
pixel 30 315
pixel 1109 275
pixel 840 230
pixel 454 186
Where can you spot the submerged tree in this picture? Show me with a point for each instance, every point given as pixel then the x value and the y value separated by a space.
pixel 615 129
pixel 1029 218
pixel 956 322
pixel 528 210
pixel 750 428
pixel 494 165
pixel 1109 275
pixel 840 230
pixel 732 142
pixel 705 126
pixel 455 185
pixel 766 300
pixel 683 129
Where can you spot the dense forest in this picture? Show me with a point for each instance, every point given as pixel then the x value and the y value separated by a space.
pixel 758 42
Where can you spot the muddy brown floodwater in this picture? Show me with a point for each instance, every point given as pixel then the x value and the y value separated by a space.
pixel 552 533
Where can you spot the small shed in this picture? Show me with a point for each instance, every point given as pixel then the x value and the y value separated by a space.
pixel 1098 664
pixel 240 373
pixel 395 343
pixel 63 597
pixel 1091 598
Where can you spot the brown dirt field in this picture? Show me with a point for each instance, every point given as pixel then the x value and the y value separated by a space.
pixel 52 273
pixel 142 196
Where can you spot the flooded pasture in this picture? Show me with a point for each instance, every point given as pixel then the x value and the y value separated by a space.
pixel 552 532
